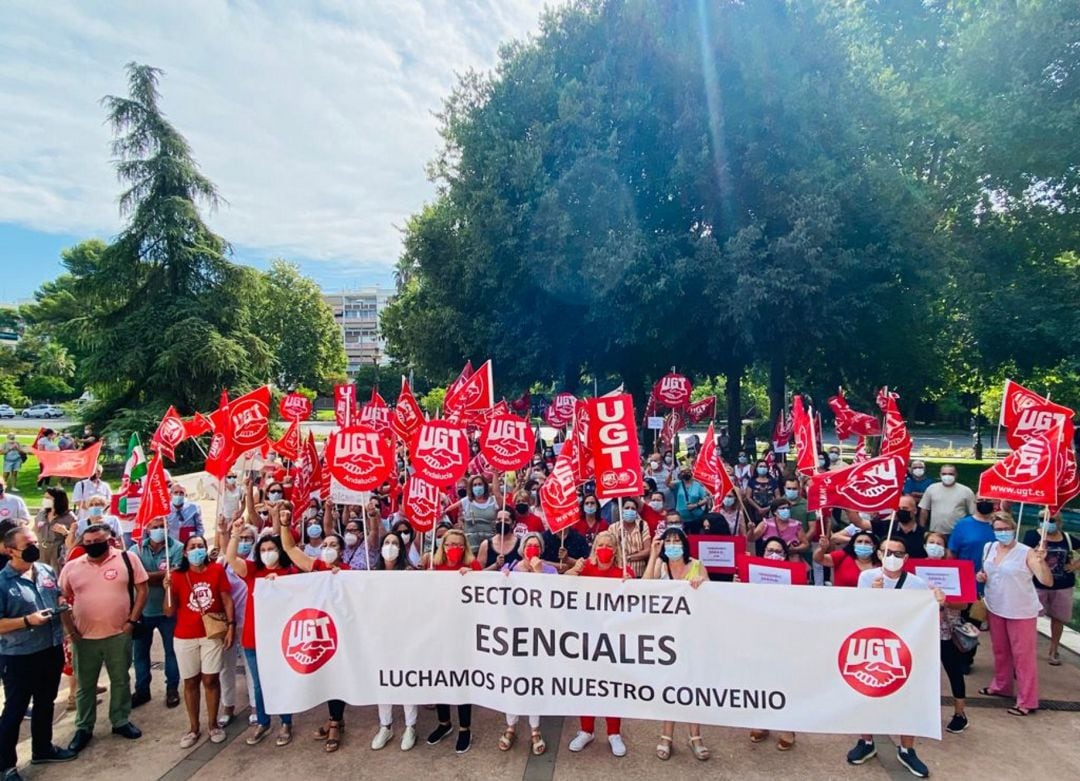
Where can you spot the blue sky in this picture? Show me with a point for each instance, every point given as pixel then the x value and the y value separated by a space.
pixel 315 119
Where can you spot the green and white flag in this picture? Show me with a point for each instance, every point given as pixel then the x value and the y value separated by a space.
pixel 134 470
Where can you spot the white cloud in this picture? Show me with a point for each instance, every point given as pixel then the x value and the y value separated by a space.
pixel 314 119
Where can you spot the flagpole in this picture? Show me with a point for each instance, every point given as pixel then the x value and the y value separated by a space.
pixel 622 538
pixel 892 520
pixel 1019 521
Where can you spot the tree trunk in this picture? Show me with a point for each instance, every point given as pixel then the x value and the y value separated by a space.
pixel 777 386
pixel 733 391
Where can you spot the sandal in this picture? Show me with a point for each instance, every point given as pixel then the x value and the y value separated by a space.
pixel 785 745
pixel 985 692
pixel 758 735
pixel 284 736
pixel 1054 660
pixel 322 732
pixel 538 744
pixel 699 748
pixel 1019 712
pixel 190 739
pixel 663 748
pixel 506 741
pixel 333 736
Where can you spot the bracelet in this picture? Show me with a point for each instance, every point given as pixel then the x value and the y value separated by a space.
pixel 26 620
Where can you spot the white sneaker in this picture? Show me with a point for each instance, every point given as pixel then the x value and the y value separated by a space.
pixel 581 740
pixel 408 740
pixel 618 748
pixel 253 719
pixel 382 737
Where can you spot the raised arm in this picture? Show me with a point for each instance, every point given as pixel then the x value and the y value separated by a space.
pixel 296 556
pixel 236 561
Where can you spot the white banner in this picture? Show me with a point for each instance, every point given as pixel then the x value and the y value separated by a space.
pixel 807 659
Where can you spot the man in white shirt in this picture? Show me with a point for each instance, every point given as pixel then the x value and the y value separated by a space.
pixel 87 489
pixel 891 575
pixel 946 502
pixel 12 507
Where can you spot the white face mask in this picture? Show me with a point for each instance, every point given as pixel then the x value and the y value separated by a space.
pixel 918 472
pixel 328 555
pixel 893 563
pixel 948 479
pixel 658 506
pixel 351 539
pixel 654 465
pixel 269 557
pixel 935 551
pixel 389 552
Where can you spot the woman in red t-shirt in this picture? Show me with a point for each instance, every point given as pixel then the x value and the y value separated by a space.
pixel 198 587
pixel 605 562
pixel 270 561
pixel 848 562
pixel 455 554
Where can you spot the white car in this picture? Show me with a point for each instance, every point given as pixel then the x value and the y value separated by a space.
pixel 6 411
pixel 43 411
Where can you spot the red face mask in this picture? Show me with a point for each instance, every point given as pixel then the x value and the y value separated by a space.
pixel 605 555
pixel 454 556
pixel 532 551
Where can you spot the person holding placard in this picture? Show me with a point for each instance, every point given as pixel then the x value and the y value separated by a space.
pixel 632 536
pixel 891 575
pixel 604 562
pixel 848 563
pixel 669 559
pixel 953 660
pixel 1056 599
pixel 1012 607
pixel 779 523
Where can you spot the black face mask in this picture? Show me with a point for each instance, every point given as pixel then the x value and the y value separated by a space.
pixel 984 507
pixel 521 508
pixel 30 553
pixel 96 550
pixel 462 493
pixel 903 516
pixel 503 528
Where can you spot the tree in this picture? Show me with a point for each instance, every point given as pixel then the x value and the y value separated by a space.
pixel 160 316
pixel 647 184
pixel 41 387
pixel 298 328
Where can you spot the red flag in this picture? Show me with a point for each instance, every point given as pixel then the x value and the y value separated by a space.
pixel 895 440
pixel 614 444
pixel 359 458
pixel 502 408
pixel 423 505
pixel 849 422
pixel 289 444
pixel 558 494
pixel 872 486
pixel 782 431
pixel 507 442
pixel 561 410
pixel 805 437
pixel 1016 399
pixel 407 417
pixel 650 406
pixel 584 464
pixel 155 494
pixel 672 390
pixel 1028 474
pixel 860 452
pixel 250 419
pixel 294 406
pixel 306 478
pixel 169 434
pixel 673 424
pixel 1068 478
pixel 475 394
pixel 466 373
pixel 522 405
pixel 440 452
pixel 223 451
pixel 197 426
pixel 705 409
pixel 709 468
pixel 1037 419
pixel 344 404
pixel 375 413
pixel 68 463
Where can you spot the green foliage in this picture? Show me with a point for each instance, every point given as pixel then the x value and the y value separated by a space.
pixel 298 328
pixel 432 401
pixel 10 392
pixel 42 387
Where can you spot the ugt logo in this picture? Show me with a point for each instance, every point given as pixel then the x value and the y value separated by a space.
pixel 309 640
pixel 875 661
pixel 1032 461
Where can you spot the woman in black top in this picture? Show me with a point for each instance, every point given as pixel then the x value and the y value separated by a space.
pixel 761 491
pixel 502 547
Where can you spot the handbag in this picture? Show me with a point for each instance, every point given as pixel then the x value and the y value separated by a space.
pixel 965 637
pixel 216 625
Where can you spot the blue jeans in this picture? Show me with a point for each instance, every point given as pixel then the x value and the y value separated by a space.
pixel 140 650
pixel 260 709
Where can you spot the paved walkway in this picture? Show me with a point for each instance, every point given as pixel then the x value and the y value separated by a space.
pixel 996 745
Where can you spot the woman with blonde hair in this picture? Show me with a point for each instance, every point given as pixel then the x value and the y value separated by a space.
pixel 604 561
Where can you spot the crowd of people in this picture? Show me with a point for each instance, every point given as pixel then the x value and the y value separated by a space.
pixel 79 593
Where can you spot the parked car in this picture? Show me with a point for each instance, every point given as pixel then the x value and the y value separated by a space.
pixel 6 411
pixel 43 411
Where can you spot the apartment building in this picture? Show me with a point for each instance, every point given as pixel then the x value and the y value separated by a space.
pixel 357 314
